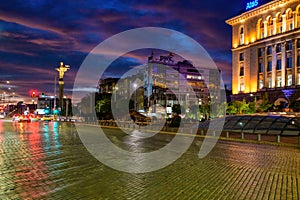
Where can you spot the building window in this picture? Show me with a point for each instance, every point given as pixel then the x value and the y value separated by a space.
pixel 289 19
pixel 260 52
pixel 242 85
pixel 241 56
pixel 298 43
pixel 269 66
pixel 260 29
pixel 289 62
pixel 241 71
pixel 242 39
pixel 279 23
pixel 278 48
pixel 269 50
pixel 289 80
pixel 269 82
pixel 278 64
pixel 298 61
pixel 261 84
pixel 278 81
pixel 289 45
pixel 298 77
pixel 260 67
pixel 270 26
pixel 291 26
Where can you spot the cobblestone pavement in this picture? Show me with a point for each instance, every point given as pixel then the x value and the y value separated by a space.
pixel 48 161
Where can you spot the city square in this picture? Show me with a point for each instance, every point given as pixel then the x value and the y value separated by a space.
pixel 150 100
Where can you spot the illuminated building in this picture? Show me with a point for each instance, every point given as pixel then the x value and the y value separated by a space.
pixel 266 49
pixel 165 82
pixel 48 104
pixel 107 85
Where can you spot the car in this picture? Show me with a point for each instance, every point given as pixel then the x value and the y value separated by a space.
pixel 2 115
pixel 24 118
pixel 33 118
pixel 47 118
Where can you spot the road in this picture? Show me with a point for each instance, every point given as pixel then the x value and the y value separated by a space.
pixel 47 160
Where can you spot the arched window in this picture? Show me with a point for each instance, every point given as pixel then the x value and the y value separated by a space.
pixel 270 25
pixel 279 23
pixel 242 36
pixel 298 16
pixel 260 29
pixel 289 20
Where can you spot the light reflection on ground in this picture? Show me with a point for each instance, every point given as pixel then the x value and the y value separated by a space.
pixel 47 160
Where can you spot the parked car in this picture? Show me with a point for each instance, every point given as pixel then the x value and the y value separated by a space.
pixel 24 118
pixel 16 117
pixel 47 118
pixel 33 118
pixel 2 115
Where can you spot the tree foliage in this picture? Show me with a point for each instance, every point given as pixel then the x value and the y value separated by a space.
pixel 265 105
pixel 176 109
pixel 241 107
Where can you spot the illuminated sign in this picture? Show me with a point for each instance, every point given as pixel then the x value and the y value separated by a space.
pixel 252 4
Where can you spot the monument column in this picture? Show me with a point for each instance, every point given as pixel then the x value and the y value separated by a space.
pixel 61 71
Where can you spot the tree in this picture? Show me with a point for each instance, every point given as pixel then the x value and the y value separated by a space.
pixel 265 105
pixel 252 107
pixel 295 106
pixel 176 109
pixel 231 109
pixel 103 106
pixel 241 107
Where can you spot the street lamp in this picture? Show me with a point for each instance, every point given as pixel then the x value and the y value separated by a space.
pixel 252 95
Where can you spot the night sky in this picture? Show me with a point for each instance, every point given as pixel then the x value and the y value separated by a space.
pixel 35 35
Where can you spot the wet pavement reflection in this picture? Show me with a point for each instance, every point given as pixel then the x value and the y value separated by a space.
pixel 46 160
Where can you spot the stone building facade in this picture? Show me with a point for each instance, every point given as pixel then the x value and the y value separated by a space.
pixel 266 50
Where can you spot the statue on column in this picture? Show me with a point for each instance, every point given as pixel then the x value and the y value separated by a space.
pixel 61 71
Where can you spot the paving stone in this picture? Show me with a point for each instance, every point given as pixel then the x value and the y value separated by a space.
pixel 48 161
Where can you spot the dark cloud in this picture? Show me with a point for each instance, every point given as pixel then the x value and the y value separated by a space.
pixel 36 35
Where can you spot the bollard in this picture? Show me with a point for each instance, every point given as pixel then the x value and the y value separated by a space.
pixel 259 137
pixel 278 138
pixel 243 135
pixel 227 134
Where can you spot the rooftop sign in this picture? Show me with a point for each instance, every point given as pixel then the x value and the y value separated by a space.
pixel 252 4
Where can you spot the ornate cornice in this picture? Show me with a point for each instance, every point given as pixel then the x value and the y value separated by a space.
pixel 257 11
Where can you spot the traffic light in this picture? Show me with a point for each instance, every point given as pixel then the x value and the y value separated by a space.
pixel 33 94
